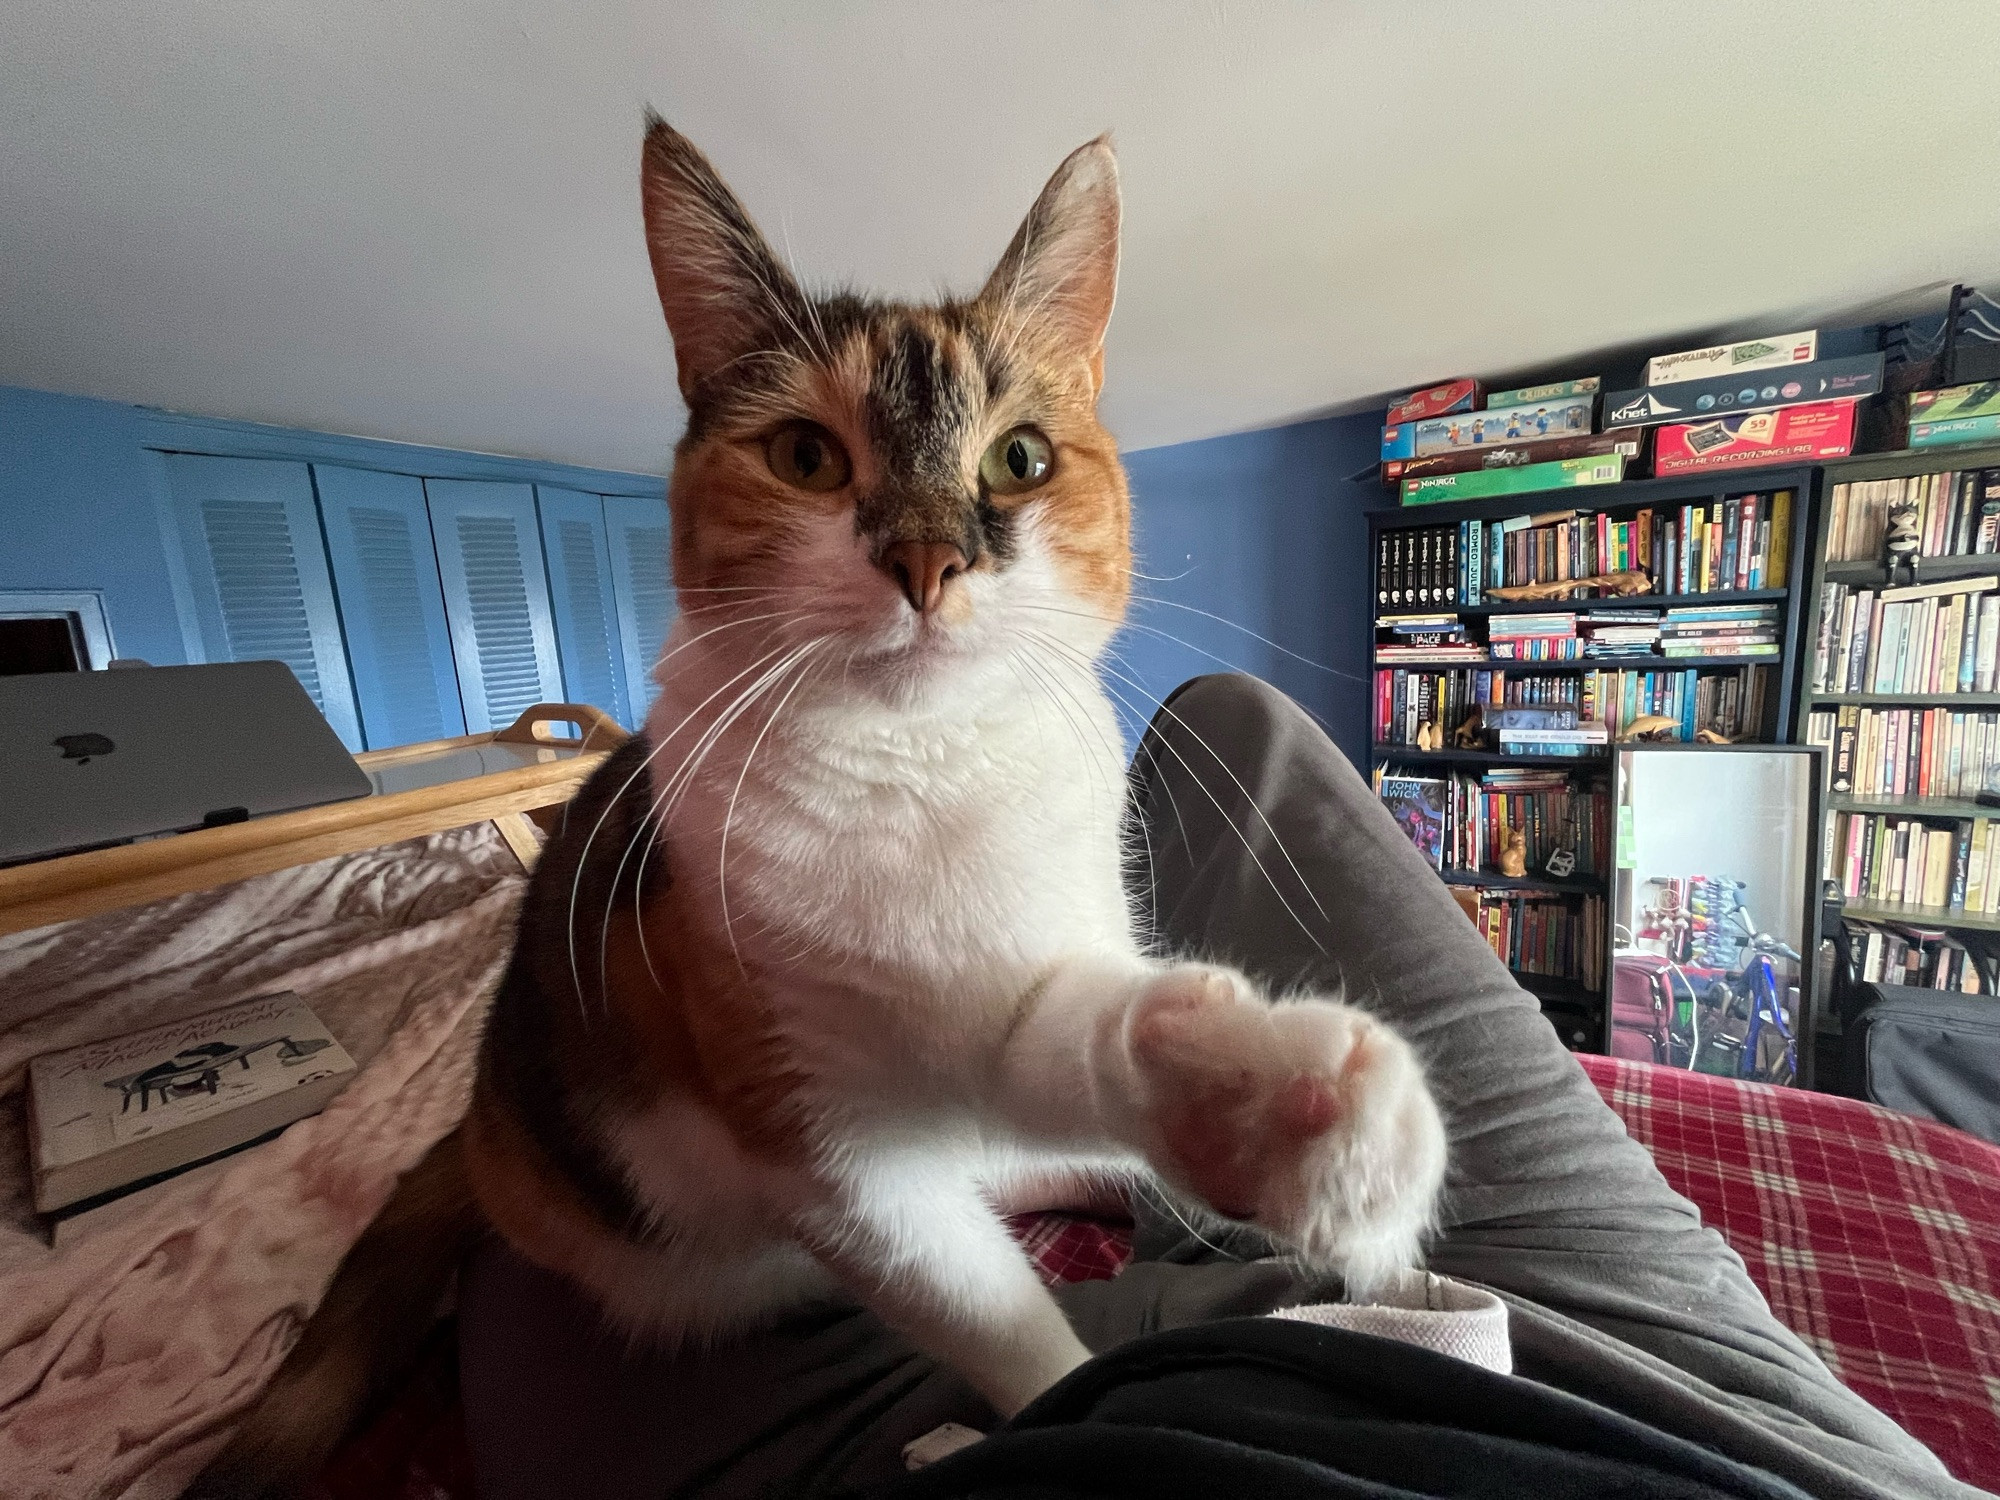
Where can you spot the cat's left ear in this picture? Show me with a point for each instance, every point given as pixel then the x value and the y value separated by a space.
pixel 1060 275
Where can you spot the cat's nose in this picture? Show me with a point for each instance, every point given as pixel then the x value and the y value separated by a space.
pixel 922 569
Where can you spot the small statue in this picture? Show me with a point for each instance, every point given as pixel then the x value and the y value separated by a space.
pixel 1901 540
pixel 1469 733
pixel 1514 858
pixel 1650 727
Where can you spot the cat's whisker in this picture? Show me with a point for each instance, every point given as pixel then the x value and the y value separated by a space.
pixel 1063 704
pixel 1245 629
pixel 1242 838
pixel 804 660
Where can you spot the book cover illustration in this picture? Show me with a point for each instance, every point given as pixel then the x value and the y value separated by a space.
pixel 104 1095
pixel 1417 805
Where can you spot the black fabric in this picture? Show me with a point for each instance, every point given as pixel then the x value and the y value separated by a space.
pixel 1273 1408
pixel 1926 1052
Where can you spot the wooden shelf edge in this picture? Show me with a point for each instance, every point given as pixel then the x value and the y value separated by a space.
pixel 1921 916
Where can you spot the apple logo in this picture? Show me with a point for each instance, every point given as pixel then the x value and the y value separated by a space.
pixel 80 747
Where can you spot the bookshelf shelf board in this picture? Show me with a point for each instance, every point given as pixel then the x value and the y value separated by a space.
pixel 1893 700
pixel 1913 807
pixel 1904 462
pixel 1482 757
pixel 1921 916
pixel 1607 601
pixel 1594 664
pixel 1493 879
pixel 1930 570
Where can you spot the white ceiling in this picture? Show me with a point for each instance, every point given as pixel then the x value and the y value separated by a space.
pixel 420 221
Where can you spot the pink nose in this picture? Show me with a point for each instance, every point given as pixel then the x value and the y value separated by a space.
pixel 922 569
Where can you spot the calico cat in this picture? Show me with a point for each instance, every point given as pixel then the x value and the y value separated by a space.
pixel 836 955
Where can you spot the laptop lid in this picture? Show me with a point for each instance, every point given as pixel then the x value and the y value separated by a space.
pixel 90 758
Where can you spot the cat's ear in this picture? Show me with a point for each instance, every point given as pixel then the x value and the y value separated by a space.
pixel 723 291
pixel 1060 275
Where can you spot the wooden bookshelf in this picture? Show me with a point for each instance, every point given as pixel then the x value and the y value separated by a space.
pixel 1870 574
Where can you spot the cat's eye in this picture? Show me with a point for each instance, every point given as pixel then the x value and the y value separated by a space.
pixel 807 456
pixel 1019 460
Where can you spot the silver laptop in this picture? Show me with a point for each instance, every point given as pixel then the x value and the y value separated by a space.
pixel 93 758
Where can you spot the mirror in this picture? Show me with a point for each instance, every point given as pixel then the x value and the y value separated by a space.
pixel 1712 907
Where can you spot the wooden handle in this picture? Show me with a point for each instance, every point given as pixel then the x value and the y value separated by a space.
pixel 600 730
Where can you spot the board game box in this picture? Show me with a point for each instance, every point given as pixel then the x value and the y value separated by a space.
pixel 1438 401
pixel 1956 401
pixel 1478 483
pixel 1984 429
pixel 1729 359
pixel 1689 401
pixel 1589 385
pixel 1513 455
pixel 1745 440
pixel 1563 417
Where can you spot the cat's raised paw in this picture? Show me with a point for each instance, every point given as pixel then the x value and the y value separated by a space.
pixel 1308 1118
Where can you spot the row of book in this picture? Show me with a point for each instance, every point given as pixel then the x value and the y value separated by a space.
pixel 1906 752
pixel 1740 543
pixel 1547 933
pixel 1923 958
pixel 1464 823
pixel 1734 703
pixel 1947 866
pixel 1957 514
pixel 1924 638
pixel 1611 632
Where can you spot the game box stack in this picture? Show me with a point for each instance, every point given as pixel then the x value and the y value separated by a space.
pixel 1956 414
pixel 1457 442
pixel 1747 405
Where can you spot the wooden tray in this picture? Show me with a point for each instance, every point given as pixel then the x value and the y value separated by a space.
pixel 504 775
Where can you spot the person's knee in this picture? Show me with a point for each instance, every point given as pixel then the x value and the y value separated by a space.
pixel 1244 703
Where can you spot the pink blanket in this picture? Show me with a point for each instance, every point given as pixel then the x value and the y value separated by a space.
pixel 132 1336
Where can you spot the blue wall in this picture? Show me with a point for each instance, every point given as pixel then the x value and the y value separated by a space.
pixel 1266 530
pixel 77 511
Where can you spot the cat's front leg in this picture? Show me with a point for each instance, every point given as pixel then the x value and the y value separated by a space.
pixel 1306 1117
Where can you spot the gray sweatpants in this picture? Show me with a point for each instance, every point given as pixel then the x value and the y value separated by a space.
pixel 1261 847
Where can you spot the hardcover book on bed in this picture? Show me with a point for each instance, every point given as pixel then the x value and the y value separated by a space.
pixel 111 1114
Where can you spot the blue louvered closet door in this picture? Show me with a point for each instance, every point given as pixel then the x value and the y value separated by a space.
pixel 257 569
pixel 580 593
pixel 385 575
pixel 642 587
pixel 496 598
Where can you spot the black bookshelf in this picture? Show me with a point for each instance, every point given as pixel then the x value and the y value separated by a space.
pixel 1871 574
pixel 1580 1011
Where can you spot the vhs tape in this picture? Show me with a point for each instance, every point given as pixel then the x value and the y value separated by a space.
pixel 1728 359
pixel 1688 401
pixel 1747 440
pixel 1564 417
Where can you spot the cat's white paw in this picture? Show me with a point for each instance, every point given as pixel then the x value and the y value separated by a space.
pixel 1310 1118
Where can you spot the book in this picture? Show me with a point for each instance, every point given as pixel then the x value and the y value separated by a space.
pixel 1417 804
pixel 110 1115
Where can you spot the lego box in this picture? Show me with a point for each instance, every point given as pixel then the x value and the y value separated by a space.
pixel 1589 385
pixel 1731 359
pixel 1438 401
pixel 1513 455
pixel 1696 400
pixel 1399 440
pixel 1475 484
pixel 1955 402
pixel 1567 416
pixel 1984 429
pixel 1747 440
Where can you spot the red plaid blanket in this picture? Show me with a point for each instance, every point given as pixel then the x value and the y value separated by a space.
pixel 1876 1238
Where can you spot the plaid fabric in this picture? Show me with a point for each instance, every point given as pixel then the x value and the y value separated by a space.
pixel 1875 1237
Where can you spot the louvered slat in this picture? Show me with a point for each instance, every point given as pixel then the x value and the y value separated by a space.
pixel 642 579
pixel 258 587
pixel 394 604
pixel 497 591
